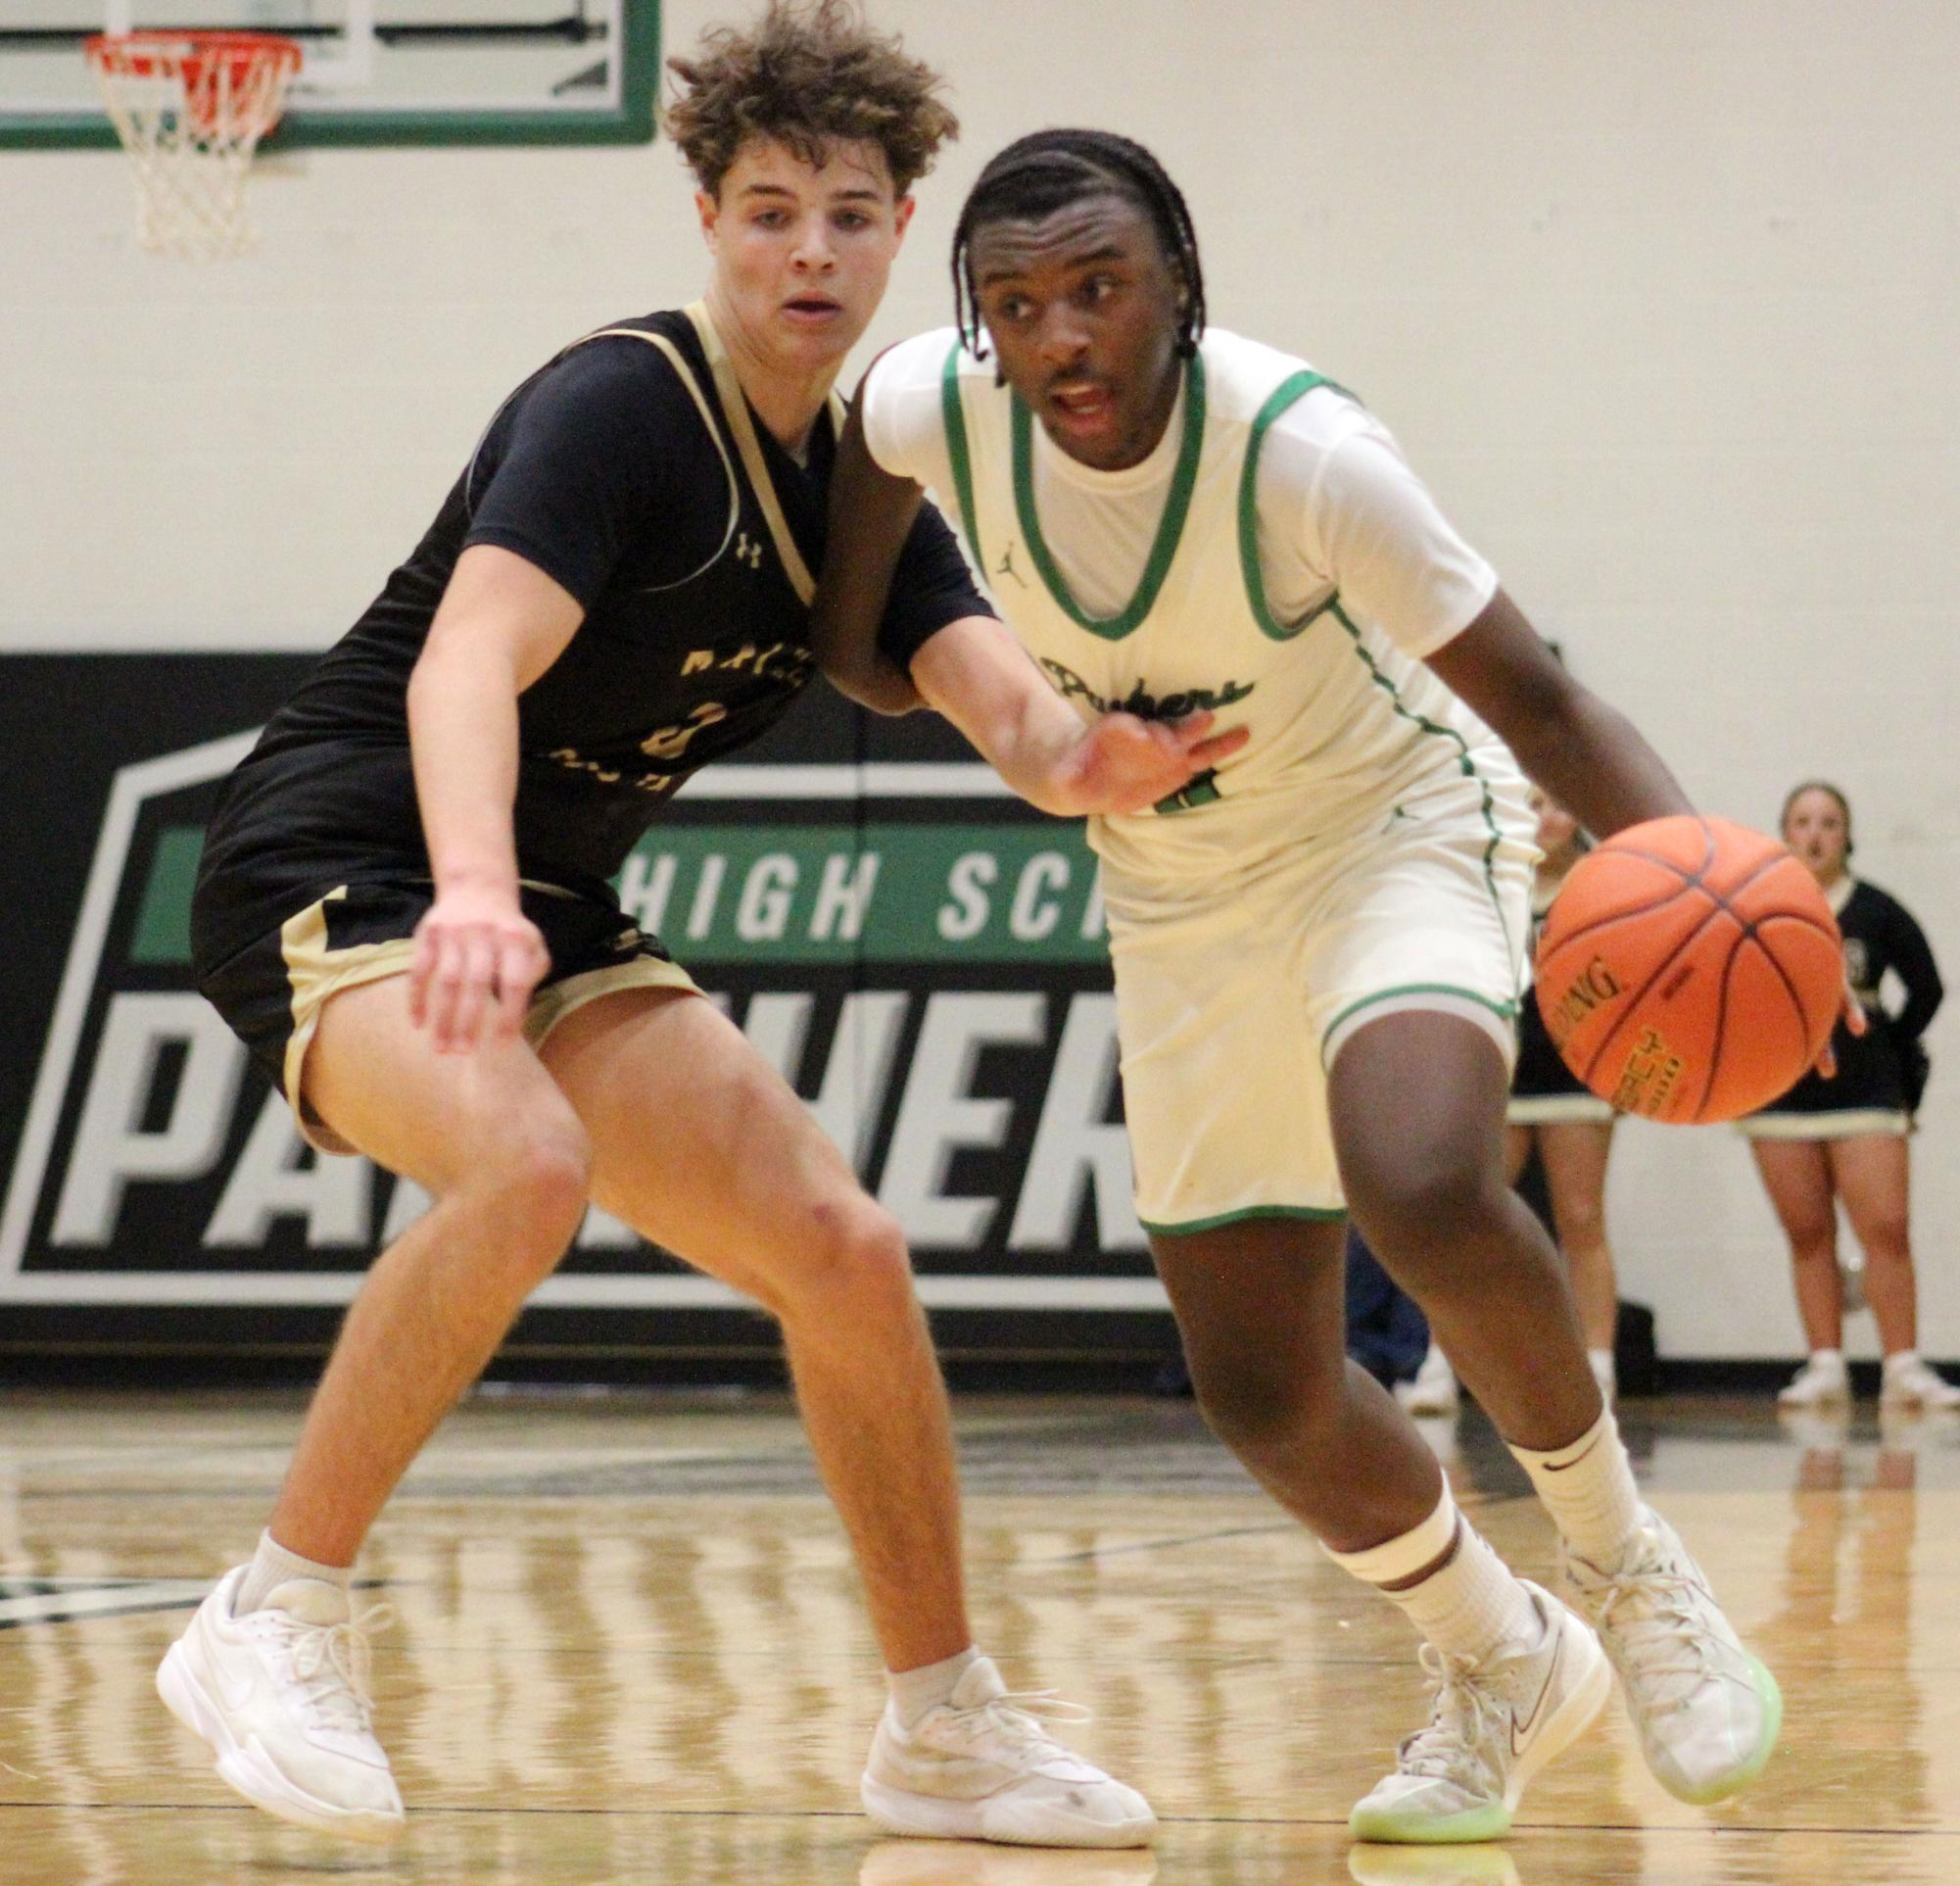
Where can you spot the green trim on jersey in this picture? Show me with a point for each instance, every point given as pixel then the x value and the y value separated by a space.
pixel 1169 527
pixel 1316 1214
pixel 953 414
pixel 1288 393
pixel 1465 765
pixel 1503 1012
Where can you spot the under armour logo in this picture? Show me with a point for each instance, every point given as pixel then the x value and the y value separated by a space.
pixel 749 553
pixel 1007 567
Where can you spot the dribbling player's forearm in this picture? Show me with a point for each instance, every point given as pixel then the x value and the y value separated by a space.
pixel 462 731
pixel 1586 755
pixel 1594 761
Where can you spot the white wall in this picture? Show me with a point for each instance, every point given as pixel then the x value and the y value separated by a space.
pixel 1661 298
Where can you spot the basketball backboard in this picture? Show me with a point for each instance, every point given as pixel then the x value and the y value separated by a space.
pixel 374 71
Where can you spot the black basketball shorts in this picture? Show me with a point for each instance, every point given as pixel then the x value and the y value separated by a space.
pixel 273 990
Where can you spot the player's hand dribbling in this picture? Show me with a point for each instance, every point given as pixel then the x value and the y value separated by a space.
pixel 477 959
pixel 1129 765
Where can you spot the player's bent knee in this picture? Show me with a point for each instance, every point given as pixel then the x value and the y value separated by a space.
pixel 1423 1212
pixel 855 1249
pixel 538 1183
pixel 1255 1412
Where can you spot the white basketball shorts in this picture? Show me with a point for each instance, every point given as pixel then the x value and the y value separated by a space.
pixel 1233 1001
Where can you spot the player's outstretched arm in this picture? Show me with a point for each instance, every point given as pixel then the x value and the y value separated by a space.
pixel 1587 755
pixel 501 625
pixel 870 516
pixel 981 678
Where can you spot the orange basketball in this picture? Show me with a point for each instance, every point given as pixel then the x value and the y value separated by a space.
pixel 1690 970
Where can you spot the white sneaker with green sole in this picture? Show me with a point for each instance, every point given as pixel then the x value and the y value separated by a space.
pixel 1493 1724
pixel 1707 1711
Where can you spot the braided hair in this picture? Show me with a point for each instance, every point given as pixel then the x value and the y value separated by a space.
pixel 1037 175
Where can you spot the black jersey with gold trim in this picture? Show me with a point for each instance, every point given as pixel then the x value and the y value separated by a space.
pixel 1876 1070
pixel 629 469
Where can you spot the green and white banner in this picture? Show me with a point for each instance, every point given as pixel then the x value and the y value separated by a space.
pixel 920 955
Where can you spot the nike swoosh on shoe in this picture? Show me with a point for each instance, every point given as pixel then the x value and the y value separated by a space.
pixel 1524 1728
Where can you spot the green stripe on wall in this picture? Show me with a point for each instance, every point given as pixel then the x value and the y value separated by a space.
pixel 802 894
pixel 164 919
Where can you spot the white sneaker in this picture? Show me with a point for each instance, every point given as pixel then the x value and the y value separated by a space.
pixel 1707 1712
pixel 1493 1726
pixel 980 1767
pixel 281 1695
pixel 1823 1380
pixel 1433 1390
pixel 1910 1382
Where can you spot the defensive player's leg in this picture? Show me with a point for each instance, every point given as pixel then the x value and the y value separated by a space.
pixel 1417 1099
pixel 502 1154
pixel 702 1147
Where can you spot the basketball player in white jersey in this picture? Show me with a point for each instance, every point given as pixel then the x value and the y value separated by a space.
pixel 1318 945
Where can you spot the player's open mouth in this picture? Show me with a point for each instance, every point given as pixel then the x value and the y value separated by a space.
pixel 812 308
pixel 1082 406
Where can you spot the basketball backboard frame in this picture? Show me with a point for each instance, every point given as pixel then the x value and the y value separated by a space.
pixel 328 106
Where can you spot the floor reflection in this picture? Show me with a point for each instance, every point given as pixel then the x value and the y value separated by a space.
pixel 629 1646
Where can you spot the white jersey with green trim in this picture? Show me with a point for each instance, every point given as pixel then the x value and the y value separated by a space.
pixel 1273 559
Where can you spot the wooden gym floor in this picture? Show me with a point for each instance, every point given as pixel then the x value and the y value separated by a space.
pixel 628 1648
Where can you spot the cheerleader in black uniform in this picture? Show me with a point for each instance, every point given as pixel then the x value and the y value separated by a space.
pixel 1846 1138
pixel 1572 1130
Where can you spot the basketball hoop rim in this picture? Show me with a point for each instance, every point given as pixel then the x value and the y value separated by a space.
pixel 131 52
pixel 191 109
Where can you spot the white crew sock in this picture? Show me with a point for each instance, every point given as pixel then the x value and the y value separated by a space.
pixel 1588 1488
pixel 1898 1359
pixel 915 1691
pixel 1466 1608
pixel 1833 1359
pixel 273 1565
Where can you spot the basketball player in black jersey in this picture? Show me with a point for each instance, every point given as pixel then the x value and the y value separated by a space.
pixel 404 909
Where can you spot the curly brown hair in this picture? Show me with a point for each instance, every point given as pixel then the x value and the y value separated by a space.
pixel 806 73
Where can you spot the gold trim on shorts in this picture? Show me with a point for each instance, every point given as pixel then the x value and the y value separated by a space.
pixel 318 974
pixel 550 1006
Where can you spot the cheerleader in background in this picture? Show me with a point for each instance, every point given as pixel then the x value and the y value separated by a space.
pixel 1846 1138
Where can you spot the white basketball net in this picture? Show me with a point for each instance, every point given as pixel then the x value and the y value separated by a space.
pixel 191 109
